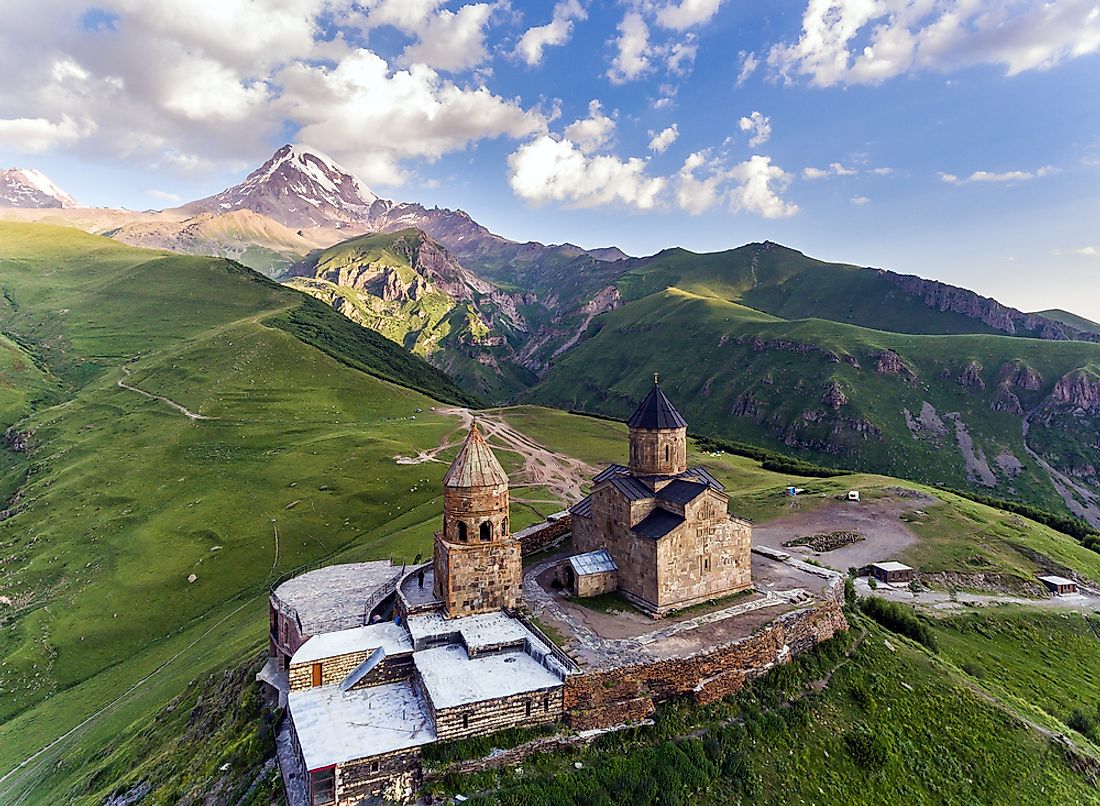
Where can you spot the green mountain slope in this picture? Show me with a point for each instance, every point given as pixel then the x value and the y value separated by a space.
pixel 1071 319
pixel 411 290
pixel 944 409
pixel 788 284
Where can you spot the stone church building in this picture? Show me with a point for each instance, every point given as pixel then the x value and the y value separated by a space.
pixel 658 530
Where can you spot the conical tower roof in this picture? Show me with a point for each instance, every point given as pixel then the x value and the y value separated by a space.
pixel 475 465
pixel 656 411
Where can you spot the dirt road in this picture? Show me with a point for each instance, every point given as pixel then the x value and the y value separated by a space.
pixel 542 467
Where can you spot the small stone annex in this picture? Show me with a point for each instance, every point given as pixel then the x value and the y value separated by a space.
pixel 373 661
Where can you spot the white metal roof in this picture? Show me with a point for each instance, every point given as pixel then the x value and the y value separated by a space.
pixel 1055 580
pixel 452 678
pixel 593 562
pixel 334 726
pixel 891 566
pixel 385 635
pixel 482 630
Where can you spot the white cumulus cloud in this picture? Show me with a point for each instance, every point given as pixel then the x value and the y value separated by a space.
pixel 687 13
pixel 556 32
pixel 663 139
pixel 545 170
pixel 760 126
pixel 372 118
pixel 997 176
pixel 593 132
pixel 870 41
pixel 834 169
pixel 633 57
pixel 33 135
pixel 754 185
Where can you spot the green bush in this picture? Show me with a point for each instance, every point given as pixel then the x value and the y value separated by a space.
pixel 900 619
pixel 867 747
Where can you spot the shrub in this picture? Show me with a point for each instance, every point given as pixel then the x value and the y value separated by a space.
pixel 769 460
pixel 849 593
pixel 868 748
pixel 900 619
pixel 1082 723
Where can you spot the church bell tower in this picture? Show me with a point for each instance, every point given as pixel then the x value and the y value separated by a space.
pixel 476 560
pixel 658 436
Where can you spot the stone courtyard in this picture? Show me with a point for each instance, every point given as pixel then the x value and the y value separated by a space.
pixel 622 635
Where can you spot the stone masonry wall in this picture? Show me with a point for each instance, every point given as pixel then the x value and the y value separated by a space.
pixel 335 669
pixel 477 578
pixel 495 715
pixel 537 537
pixel 625 694
pixel 391 777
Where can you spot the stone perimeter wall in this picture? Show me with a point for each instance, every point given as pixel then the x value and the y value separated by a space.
pixel 601 699
pixel 542 535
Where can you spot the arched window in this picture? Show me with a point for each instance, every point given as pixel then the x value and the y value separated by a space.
pixel 462 536
pixel 666 453
pixel 486 531
pixel 504 526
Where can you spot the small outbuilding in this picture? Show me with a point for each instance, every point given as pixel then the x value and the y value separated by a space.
pixel 1059 586
pixel 891 572
pixel 591 573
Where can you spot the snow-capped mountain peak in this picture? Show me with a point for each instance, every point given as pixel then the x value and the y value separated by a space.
pixel 298 186
pixel 26 187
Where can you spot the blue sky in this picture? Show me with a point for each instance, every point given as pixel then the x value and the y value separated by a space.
pixel 958 139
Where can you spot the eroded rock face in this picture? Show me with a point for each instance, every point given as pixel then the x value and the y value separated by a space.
pixel 1020 376
pixel 834 396
pixel 1004 400
pixel 890 363
pixel 1078 390
pixel 945 297
pixel 970 378
pixel 760 345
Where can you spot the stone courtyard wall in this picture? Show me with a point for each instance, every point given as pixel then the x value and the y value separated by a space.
pixel 599 699
pixel 542 535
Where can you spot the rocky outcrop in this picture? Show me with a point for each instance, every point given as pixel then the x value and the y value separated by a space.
pixel 970 378
pixel 1079 391
pixel 944 297
pixel 1020 376
pixel 746 405
pixel 834 396
pixel 760 345
pixel 1005 400
pixel 890 363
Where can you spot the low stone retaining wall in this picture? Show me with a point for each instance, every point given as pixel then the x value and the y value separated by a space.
pixel 597 699
pixel 543 535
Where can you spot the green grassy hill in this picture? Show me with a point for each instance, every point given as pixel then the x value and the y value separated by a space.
pixel 935 404
pixel 408 288
pixel 1071 319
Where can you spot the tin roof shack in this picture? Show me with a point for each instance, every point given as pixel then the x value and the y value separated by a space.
pixel 590 574
pixel 891 572
pixel 1059 586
